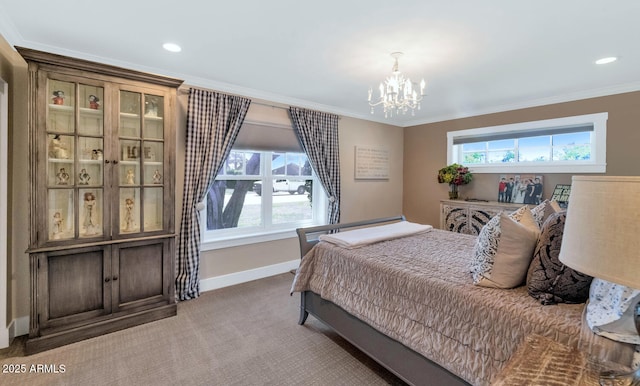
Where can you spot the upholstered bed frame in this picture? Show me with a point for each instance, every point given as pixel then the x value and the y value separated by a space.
pixel 405 363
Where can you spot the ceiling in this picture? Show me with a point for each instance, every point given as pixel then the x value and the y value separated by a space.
pixel 477 57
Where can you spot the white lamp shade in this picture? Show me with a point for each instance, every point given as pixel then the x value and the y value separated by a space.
pixel 602 231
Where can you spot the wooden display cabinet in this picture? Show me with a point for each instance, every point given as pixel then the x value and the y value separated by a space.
pixel 102 160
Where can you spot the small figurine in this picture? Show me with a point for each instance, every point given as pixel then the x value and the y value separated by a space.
pixel 151 108
pixel 89 204
pixel 57 225
pixel 96 154
pixel 58 97
pixel 63 177
pixel 130 177
pixel 128 218
pixel 94 102
pixel 57 148
pixel 157 177
pixel 83 177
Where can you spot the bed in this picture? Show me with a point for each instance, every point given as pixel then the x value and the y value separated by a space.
pixel 410 304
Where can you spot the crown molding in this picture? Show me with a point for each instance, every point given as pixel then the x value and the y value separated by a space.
pixel 570 97
pixel 9 32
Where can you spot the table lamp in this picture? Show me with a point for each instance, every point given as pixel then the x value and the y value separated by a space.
pixel 601 235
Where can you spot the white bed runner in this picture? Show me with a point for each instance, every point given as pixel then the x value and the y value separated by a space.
pixel 365 236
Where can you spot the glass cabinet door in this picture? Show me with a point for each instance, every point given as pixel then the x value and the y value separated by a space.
pixel 141 166
pixel 74 158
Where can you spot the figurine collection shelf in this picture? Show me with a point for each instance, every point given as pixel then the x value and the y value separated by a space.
pixel 102 238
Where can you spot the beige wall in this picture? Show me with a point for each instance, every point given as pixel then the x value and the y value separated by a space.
pixel 360 199
pixel 425 150
pixel 14 71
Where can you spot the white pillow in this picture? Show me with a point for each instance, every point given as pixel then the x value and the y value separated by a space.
pixel 504 250
pixel 610 311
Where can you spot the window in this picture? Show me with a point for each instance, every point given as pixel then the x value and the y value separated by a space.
pixel 266 187
pixel 563 145
pixel 266 157
pixel 239 208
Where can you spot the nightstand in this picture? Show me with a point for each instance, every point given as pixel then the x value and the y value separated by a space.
pixel 542 361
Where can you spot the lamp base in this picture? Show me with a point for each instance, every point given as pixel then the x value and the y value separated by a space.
pixel 612 378
pixel 636 316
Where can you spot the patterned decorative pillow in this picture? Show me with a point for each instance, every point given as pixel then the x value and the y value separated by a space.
pixel 610 311
pixel 556 206
pixel 542 211
pixel 548 280
pixel 503 250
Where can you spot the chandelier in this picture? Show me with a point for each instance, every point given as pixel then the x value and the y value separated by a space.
pixel 397 93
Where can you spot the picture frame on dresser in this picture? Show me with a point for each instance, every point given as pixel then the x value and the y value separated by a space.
pixel 520 188
pixel 561 194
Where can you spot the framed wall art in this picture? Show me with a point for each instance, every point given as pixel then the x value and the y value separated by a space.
pixel 371 163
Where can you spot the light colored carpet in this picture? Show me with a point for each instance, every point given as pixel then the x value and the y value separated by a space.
pixel 241 335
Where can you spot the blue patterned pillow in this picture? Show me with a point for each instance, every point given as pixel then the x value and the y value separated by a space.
pixel 610 311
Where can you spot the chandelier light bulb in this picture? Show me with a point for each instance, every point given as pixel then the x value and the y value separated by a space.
pixel 397 93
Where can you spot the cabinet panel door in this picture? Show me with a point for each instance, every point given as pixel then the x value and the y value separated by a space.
pixel 143 156
pixel 73 286
pixel 478 217
pixel 454 219
pixel 143 273
pixel 70 132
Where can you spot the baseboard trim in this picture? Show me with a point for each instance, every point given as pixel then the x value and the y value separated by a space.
pixel 222 281
pixel 20 326
pixel 4 338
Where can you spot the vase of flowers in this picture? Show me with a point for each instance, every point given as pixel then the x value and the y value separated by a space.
pixel 454 175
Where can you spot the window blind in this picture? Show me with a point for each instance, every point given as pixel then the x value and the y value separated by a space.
pixel 267 128
pixel 523 133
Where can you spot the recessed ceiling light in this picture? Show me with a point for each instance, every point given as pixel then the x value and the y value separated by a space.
pixel 172 47
pixel 606 60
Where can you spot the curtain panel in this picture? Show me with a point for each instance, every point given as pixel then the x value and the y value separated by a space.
pixel 318 135
pixel 213 123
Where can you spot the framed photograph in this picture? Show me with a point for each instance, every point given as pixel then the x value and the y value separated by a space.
pixel 520 188
pixel 561 194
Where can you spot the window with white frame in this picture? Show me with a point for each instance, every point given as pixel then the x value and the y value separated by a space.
pixel 264 191
pixel 564 145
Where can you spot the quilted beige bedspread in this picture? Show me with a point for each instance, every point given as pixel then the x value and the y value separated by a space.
pixel 418 290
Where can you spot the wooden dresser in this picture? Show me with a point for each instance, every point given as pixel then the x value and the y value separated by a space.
pixel 470 216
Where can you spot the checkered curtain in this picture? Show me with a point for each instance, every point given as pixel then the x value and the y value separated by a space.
pixel 318 135
pixel 213 123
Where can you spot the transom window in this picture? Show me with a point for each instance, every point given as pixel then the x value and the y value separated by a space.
pixel 564 145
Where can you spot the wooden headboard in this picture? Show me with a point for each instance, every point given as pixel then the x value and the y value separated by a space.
pixel 308 237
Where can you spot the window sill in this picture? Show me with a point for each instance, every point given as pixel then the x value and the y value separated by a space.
pixel 245 239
